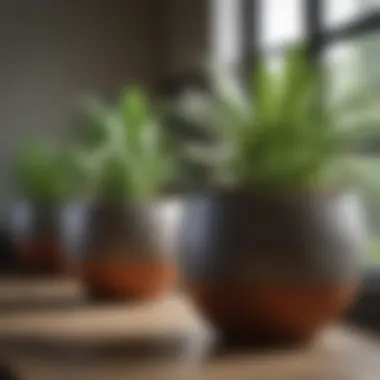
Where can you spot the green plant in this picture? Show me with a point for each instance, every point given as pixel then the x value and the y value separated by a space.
pixel 45 172
pixel 279 134
pixel 130 159
pixel 89 129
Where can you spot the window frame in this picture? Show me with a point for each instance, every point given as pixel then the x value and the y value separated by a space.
pixel 317 36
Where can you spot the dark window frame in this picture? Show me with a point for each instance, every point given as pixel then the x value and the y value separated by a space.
pixel 318 37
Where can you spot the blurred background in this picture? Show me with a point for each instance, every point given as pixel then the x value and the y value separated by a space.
pixel 52 53
pixel 55 52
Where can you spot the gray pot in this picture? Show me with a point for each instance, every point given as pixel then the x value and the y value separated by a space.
pixel 35 235
pixel 284 264
pixel 123 250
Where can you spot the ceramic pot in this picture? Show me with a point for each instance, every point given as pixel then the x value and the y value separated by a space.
pixel 8 262
pixel 278 266
pixel 35 235
pixel 123 251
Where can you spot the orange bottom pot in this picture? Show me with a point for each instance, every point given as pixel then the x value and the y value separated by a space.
pixel 279 312
pixel 43 255
pixel 127 279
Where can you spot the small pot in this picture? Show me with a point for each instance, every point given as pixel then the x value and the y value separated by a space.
pixel 8 262
pixel 35 234
pixel 279 266
pixel 123 251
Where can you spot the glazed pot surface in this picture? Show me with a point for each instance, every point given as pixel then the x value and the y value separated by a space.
pixel 308 239
pixel 124 249
pixel 35 233
pixel 147 230
pixel 282 264
pixel 278 313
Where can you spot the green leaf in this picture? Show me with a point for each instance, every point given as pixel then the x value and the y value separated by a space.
pixel 285 136
pixel 135 114
pixel 264 91
pixel 45 172
pixel 129 161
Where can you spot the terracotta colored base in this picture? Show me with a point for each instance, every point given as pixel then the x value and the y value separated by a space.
pixel 127 279
pixel 42 255
pixel 275 312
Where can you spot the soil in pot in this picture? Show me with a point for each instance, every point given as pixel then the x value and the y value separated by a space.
pixel 117 251
pixel 279 266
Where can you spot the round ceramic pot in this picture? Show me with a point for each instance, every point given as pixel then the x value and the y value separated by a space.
pixel 271 266
pixel 35 235
pixel 123 251
pixel 7 255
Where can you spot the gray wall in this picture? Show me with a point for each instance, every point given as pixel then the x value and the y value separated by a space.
pixel 186 34
pixel 52 51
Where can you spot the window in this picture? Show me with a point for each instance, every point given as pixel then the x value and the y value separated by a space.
pixel 338 13
pixel 281 22
pixel 353 63
pixel 226 32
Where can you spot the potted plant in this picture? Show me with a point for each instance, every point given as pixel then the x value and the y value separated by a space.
pixel 271 246
pixel 45 179
pixel 120 238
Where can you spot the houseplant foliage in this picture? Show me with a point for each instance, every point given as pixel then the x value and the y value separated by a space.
pixel 280 134
pixel 276 234
pixel 45 172
pixel 127 167
pixel 126 156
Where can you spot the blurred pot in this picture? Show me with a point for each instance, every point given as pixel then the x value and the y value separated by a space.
pixel 35 234
pixel 278 266
pixel 8 260
pixel 123 250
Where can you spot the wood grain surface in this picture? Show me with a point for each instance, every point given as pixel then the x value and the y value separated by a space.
pixel 102 323
pixel 340 353
pixel 33 291
pixel 27 338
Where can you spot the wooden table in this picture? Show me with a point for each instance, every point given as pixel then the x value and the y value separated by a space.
pixel 92 341
pixel 341 353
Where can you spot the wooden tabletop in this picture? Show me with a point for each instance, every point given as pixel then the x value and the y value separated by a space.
pixel 32 293
pixel 340 353
pixel 90 341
